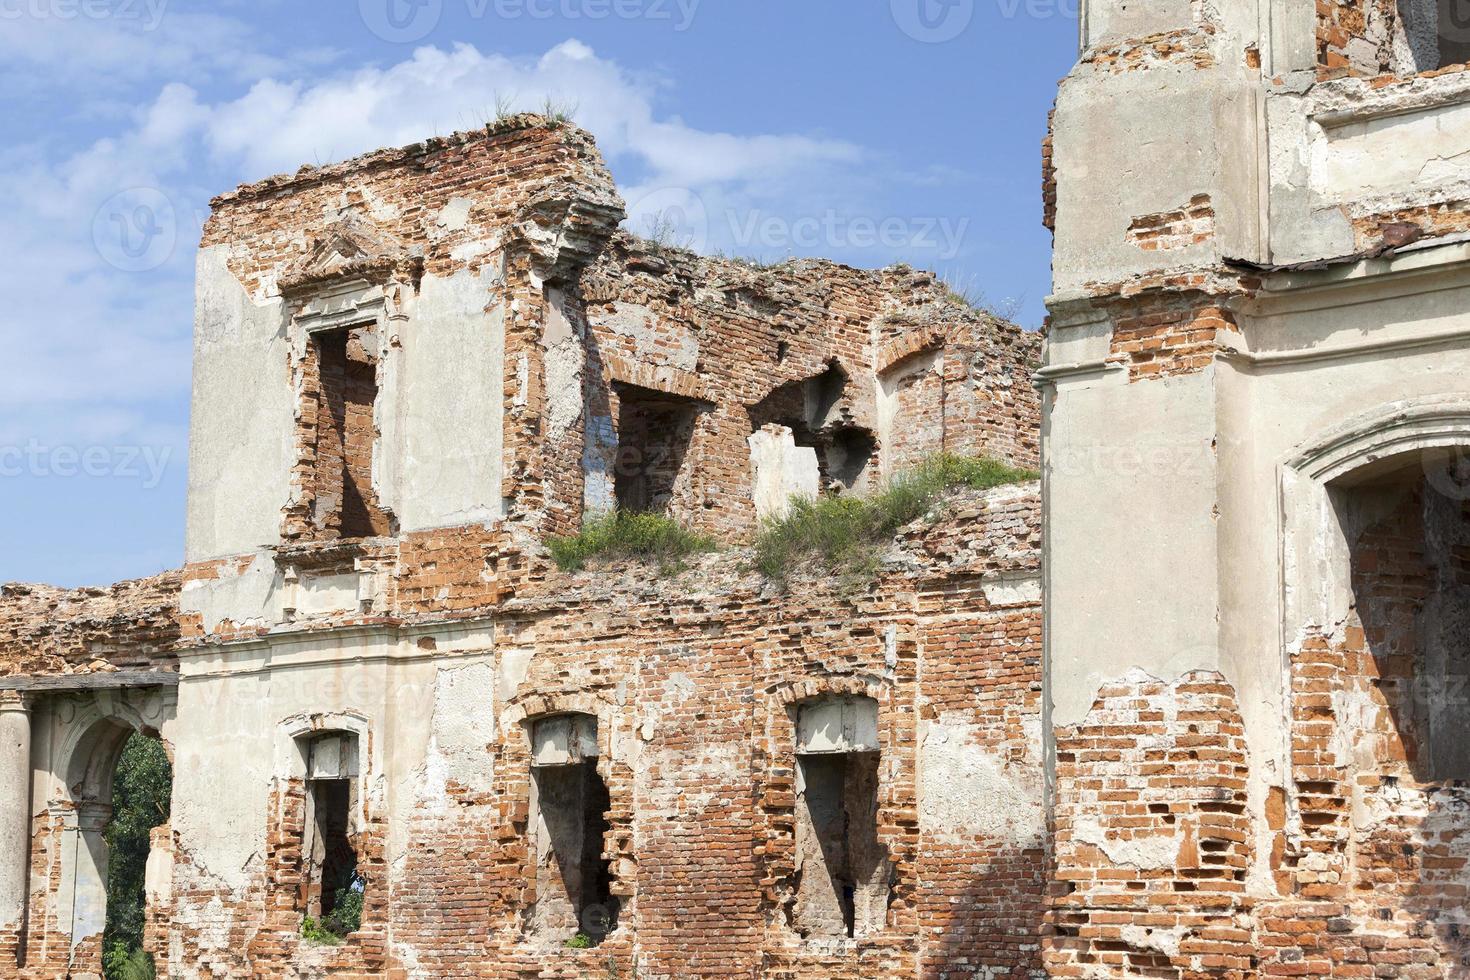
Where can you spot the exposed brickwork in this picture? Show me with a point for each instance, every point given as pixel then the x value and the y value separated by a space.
pixel 703 679
pixel 1192 224
pixel 681 670
pixel 734 337
pixel 1153 835
pixel 1374 854
pixel 335 436
pixel 1171 336
pixel 1355 37
pixel 1367 38
pixel 1189 46
pixel 1405 225
pixel 618 355
pixel 1048 176
pixel 129 626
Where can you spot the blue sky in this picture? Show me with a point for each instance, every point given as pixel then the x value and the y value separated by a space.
pixel 870 131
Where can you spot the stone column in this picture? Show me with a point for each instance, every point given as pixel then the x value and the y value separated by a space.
pixel 15 819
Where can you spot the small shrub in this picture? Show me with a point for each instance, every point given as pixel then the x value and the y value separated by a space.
pixel 628 536
pixel 346 917
pixel 317 933
pixel 557 112
pixel 663 235
pixel 580 941
pixel 504 107
pixel 123 963
pixel 344 920
pixel 844 535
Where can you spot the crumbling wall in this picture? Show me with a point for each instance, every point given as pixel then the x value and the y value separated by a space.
pixel 516 364
pixel 1386 37
pixel 336 435
pixel 1374 843
pixel 808 345
pixel 693 682
pixel 1153 835
pixel 446 263
pixel 129 626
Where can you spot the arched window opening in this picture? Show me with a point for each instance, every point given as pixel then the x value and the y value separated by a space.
pixel 570 803
pixel 1407 524
pixel 843 873
pixel 142 788
pixel 332 887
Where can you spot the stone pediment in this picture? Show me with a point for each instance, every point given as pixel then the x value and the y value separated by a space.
pixel 352 247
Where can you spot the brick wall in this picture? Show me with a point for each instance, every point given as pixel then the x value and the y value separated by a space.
pixel 1167 336
pixel 592 317
pixel 336 436
pixel 129 626
pixel 731 336
pixel 1192 224
pixel 694 680
pixel 1153 835
pixel 1373 855
pixel 700 674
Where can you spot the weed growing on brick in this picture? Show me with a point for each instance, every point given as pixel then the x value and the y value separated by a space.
pixel 843 536
pixel 627 536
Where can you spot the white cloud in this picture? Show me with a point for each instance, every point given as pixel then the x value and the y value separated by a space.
pixel 277 126
pixel 108 342
pixel 138 42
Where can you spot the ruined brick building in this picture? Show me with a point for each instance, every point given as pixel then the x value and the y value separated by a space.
pixel 1239 754
pixel 1257 390
pixel 411 370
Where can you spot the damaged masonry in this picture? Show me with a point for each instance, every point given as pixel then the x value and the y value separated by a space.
pixel 374 687
pixel 1233 753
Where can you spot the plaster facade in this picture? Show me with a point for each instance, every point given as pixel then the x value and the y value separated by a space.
pixel 411 370
pixel 1254 387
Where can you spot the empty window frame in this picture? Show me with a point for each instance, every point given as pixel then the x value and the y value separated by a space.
pixel 654 433
pixel 843 872
pixel 328 849
pixel 339 391
pixel 570 803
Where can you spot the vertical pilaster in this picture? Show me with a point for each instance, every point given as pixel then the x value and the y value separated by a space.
pixel 15 821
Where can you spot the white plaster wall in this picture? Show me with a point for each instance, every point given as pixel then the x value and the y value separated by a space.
pixel 781 470
pixel 1404 151
pixel 968 791
pixel 1113 20
pixel 1130 530
pixel 428 717
pixel 1145 142
pixel 242 418
pixel 1346 147
pixel 450 403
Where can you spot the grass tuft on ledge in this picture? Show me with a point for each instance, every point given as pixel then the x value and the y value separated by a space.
pixel 844 536
pixel 622 535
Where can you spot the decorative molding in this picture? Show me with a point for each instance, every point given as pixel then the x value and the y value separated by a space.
pixel 1398 428
pixel 352 248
